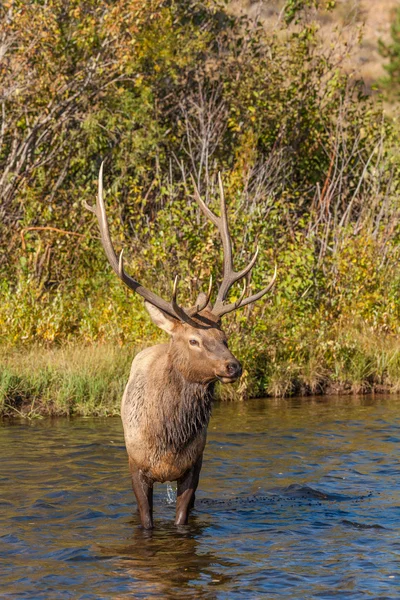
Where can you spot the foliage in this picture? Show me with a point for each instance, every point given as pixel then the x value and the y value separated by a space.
pixel 163 90
pixel 89 380
pixel 294 8
pixel 391 51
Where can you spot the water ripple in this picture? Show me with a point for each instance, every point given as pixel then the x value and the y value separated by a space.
pixel 297 499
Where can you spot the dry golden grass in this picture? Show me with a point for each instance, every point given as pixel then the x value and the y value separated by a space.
pixel 351 31
pixel 80 380
pixel 89 380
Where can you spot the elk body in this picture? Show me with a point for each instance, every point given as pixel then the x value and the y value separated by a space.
pixel 167 402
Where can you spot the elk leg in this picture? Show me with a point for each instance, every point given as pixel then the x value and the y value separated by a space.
pixel 143 490
pixel 186 489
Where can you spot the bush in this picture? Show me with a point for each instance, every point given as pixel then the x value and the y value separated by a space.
pixel 162 90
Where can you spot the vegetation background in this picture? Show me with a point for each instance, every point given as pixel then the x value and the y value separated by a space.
pixel 270 93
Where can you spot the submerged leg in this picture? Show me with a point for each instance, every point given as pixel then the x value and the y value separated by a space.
pixel 143 490
pixel 186 489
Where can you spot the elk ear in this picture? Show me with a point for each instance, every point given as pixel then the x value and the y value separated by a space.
pixel 201 299
pixel 160 318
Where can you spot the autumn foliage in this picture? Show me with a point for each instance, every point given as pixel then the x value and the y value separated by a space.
pixel 163 90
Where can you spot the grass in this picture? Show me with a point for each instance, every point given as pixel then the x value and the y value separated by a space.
pixel 77 380
pixel 89 380
pixel 341 25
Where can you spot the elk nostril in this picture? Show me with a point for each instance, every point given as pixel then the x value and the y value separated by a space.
pixel 233 368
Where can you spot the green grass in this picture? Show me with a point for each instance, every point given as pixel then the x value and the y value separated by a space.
pixel 80 380
pixel 89 380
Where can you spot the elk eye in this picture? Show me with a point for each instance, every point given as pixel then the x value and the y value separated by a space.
pixel 193 342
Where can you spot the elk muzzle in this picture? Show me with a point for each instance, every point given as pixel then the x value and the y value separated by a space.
pixel 232 370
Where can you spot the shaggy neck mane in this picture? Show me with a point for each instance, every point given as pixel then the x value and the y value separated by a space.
pixel 185 409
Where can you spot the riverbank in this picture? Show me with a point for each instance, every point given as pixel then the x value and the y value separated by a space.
pixel 311 173
pixel 76 380
pixel 88 380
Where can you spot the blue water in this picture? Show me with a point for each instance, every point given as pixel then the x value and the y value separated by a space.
pixel 297 499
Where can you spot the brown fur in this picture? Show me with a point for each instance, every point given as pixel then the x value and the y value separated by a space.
pixel 166 406
pixel 167 402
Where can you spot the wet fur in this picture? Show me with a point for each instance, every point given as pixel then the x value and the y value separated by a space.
pixel 166 407
pixel 165 416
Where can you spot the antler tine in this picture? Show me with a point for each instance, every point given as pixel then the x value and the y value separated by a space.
pixel 233 278
pixel 121 263
pixel 192 312
pixel 174 302
pixel 230 276
pixel 224 231
pixel 221 223
pixel 117 263
pixel 240 303
pixel 242 295
pixel 204 208
pixel 234 305
pixel 206 300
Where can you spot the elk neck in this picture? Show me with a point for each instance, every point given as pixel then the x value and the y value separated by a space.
pixel 184 407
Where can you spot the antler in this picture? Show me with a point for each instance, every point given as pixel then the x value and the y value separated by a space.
pixel 171 308
pixel 230 276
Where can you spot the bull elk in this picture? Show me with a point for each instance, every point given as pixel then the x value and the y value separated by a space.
pixel 166 405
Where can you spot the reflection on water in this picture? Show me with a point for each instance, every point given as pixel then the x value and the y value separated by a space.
pixel 298 499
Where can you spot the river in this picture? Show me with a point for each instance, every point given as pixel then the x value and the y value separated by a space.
pixel 297 499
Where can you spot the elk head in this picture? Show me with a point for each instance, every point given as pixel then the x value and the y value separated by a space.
pixel 199 347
